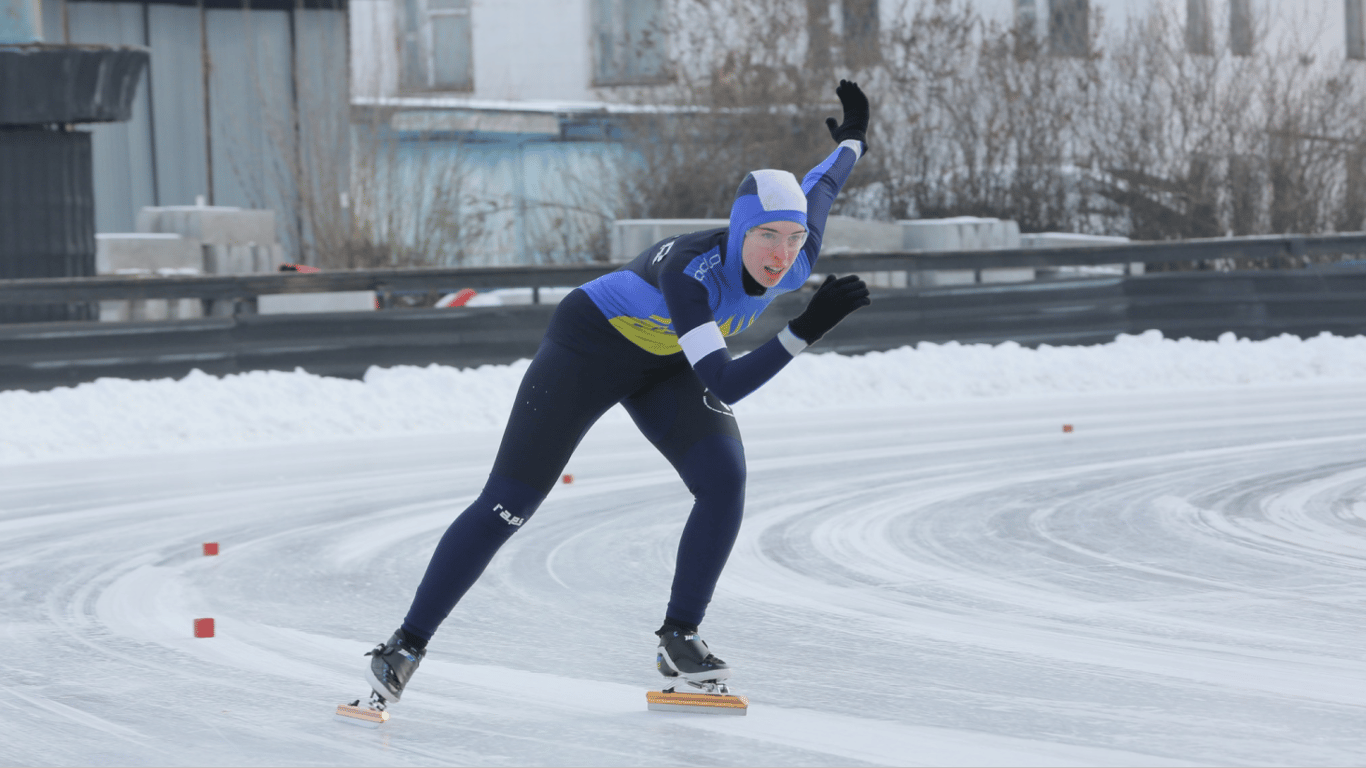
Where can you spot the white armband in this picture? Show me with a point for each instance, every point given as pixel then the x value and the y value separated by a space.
pixel 791 341
pixel 855 145
pixel 701 341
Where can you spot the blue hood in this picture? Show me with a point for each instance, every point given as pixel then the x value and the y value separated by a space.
pixel 763 196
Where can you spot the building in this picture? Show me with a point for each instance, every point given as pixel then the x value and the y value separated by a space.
pixel 245 104
pixel 509 99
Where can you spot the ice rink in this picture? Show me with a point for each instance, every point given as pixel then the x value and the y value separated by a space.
pixel 1177 581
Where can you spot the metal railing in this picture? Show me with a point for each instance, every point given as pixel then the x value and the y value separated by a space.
pixel 1284 251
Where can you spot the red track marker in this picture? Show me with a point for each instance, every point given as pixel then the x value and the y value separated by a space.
pixel 1067 427
pixel 203 627
pixel 210 548
pixel 567 479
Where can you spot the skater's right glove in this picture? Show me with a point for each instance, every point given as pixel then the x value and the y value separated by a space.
pixel 833 302
pixel 856 113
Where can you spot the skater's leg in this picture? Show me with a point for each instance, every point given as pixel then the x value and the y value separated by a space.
pixel 578 373
pixel 698 434
pixel 465 550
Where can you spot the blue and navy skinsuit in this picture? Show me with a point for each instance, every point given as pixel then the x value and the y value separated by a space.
pixel 648 336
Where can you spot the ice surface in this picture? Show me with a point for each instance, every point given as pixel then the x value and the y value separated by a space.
pixel 931 571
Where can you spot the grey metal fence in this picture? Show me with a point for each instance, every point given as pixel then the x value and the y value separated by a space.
pixel 1198 304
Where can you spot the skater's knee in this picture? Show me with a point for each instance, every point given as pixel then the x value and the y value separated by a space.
pixel 505 505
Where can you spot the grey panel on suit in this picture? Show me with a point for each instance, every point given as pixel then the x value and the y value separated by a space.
pixel 178 103
pixel 121 151
pixel 251 114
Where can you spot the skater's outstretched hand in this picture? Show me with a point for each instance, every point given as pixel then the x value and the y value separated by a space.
pixel 856 113
pixel 834 301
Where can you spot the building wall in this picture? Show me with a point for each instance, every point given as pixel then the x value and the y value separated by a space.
pixel 525 50
pixel 271 113
pixel 1314 27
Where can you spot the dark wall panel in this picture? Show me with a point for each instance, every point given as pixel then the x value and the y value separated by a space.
pixel 46 214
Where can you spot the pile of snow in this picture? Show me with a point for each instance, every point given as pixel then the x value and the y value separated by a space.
pixel 116 416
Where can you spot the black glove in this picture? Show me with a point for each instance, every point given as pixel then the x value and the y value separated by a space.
pixel 833 302
pixel 855 125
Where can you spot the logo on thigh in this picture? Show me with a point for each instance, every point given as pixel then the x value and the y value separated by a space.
pixel 714 403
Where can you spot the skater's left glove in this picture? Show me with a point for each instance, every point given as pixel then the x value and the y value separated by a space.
pixel 855 125
pixel 834 301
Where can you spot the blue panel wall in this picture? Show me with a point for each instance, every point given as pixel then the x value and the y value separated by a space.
pixel 274 112
pixel 252 115
pixel 178 103
pixel 122 151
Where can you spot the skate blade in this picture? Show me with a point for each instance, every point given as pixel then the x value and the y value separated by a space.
pixel 701 703
pixel 365 717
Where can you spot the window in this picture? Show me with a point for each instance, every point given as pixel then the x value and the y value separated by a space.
pixel 629 43
pixel 450 63
pixel 438 51
pixel 1356 32
pixel 1240 27
pixel 1069 27
pixel 1198 37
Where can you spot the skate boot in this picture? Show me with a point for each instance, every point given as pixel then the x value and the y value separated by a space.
pixel 695 676
pixel 393 665
pixel 685 655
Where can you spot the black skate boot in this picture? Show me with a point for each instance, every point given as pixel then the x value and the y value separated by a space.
pixel 683 654
pixel 393 665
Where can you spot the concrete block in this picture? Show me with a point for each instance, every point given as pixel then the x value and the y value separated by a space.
pixel 242 259
pixel 140 252
pixel 150 309
pixel 336 301
pixel 1068 240
pixel 630 237
pixel 1008 275
pixel 1074 240
pixel 959 233
pixel 144 253
pixel 843 234
pixel 938 277
pixel 846 234
pixel 211 225
pixel 964 233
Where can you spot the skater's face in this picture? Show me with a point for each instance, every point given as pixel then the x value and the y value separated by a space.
pixel 770 249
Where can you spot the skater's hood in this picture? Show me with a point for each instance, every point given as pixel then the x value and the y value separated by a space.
pixel 764 196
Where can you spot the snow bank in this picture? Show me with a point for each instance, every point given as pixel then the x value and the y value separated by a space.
pixel 116 416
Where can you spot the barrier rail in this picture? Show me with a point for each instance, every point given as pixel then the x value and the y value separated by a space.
pixel 1203 305
pixel 1287 250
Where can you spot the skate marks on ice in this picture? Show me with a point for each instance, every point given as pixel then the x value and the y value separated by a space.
pixel 1182 573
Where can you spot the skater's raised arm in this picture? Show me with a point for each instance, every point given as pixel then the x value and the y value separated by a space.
pixel 822 183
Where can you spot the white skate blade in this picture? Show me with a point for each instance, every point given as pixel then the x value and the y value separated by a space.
pixel 365 717
pixel 697 703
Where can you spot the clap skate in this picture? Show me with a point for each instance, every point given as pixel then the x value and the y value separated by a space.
pixel 372 715
pixel 697 677
pixel 392 664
